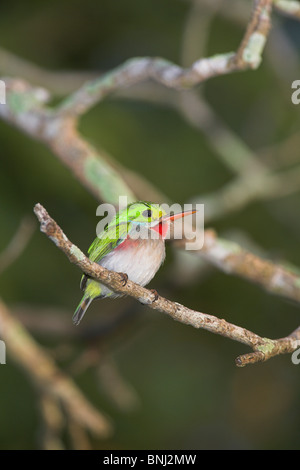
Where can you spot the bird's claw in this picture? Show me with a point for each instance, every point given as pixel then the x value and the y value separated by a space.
pixel 124 278
pixel 155 293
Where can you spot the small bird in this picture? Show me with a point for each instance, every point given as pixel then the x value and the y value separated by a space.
pixel 133 243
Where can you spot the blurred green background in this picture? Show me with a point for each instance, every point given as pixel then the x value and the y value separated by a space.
pixel 183 386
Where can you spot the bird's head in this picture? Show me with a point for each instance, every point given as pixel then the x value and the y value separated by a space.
pixel 149 216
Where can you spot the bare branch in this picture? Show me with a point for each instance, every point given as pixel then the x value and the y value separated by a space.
pixel 177 311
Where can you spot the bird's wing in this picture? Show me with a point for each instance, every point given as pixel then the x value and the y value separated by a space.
pixel 109 239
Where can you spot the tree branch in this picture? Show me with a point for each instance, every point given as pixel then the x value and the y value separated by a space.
pixel 136 70
pixel 263 347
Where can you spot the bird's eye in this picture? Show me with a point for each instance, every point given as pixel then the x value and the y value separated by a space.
pixel 147 213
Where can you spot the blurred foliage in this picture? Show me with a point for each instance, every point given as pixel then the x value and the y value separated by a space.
pixel 190 392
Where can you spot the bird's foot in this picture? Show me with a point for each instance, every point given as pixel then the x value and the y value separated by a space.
pixel 124 278
pixel 155 293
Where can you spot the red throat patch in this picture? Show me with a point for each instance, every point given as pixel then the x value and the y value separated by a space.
pixel 161 228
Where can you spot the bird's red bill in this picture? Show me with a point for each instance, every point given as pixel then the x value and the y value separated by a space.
pixel 177 216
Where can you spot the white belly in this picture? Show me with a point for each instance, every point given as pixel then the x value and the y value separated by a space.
pixel 140 260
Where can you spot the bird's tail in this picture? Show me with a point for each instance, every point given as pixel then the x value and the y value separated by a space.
pixel 81 309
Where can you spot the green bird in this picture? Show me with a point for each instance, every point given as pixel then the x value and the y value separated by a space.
pixel 132 243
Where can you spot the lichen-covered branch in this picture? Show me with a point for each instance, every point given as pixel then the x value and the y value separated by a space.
pixel 264 346
pixel 270 349
pixel 136 70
